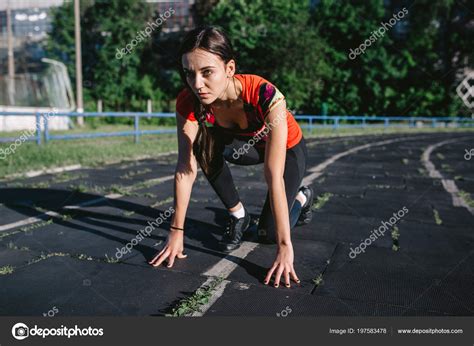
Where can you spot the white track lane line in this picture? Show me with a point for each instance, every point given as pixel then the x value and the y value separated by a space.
pixel 31 174
pixel 448 184
pixel 41 217
pixel 317 170
pixel 38 218
pixel 226 266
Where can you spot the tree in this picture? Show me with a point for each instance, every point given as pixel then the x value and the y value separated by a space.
pixel 411 70
pixel 436 50
pixel 113 43
pixel 274 39
pixel 360 63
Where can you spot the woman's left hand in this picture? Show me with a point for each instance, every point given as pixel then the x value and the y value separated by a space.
pixel 283 265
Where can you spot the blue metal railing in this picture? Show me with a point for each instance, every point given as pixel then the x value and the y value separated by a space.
pixel 310 122
pixel 349 121
pixel 41 131
pixel 136 133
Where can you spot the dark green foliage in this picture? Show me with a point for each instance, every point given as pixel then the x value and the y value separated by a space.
pixel 413 69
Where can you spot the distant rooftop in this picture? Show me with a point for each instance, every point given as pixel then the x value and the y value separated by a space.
pixel 20 4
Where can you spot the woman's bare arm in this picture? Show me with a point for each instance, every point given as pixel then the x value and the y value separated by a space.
pixel 275 156
pixel 186 169
pixel 185 174
pixel 274 167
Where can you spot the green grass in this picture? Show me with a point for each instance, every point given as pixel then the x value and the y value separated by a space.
pixel 81 188
pixel 466 196
pixel 131 174
pixel 329 132
pixel 99 151
pixel 29 228
pixel 422 171
pixel 199 298
pixel 446 167
pixel 12 246
pixel 36 225
pixel 88 129
pixel 6 270
pixel 128 212
pixel 318 281
pixel 321 200
pixel 81 256
pixel 159 203
pixel 437 217
pixel 92 152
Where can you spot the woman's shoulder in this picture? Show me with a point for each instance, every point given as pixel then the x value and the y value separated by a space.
pixel 185 104
pixel 184 100
pixel 256 88
pixel 251 86
pixel 251 80
pixel 184 96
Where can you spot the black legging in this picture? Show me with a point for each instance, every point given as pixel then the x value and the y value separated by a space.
pixel 220 178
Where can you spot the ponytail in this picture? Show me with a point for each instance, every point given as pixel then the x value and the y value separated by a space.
pixel 203 146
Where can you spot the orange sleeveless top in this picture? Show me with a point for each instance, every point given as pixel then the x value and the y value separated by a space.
pixel 259 97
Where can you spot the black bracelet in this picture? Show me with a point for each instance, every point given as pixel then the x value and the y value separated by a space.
pixel 181 229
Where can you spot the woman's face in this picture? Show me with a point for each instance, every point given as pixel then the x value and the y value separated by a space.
pixel 207 75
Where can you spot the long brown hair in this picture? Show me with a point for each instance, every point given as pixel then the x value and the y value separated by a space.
pixel 215 41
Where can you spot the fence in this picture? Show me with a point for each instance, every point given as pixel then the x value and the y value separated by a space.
pixel 306 121
pixel 348 121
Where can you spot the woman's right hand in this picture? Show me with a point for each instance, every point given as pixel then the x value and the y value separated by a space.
pixel 173 248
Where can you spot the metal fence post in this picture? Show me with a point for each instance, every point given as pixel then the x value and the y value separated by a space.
pixel 38 128
pixel 311 124
pixel 46 128
pixel 136 128
pixel 336 123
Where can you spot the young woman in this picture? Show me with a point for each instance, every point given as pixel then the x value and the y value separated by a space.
pixel 240 118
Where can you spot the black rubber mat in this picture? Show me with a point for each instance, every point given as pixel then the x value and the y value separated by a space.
pixel 384 276
pixel 77 287
pixel 430 274
pixel 15 256
pixel 251 300
pixel 310 260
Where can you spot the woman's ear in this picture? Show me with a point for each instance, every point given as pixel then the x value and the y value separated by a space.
pixel 230 68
